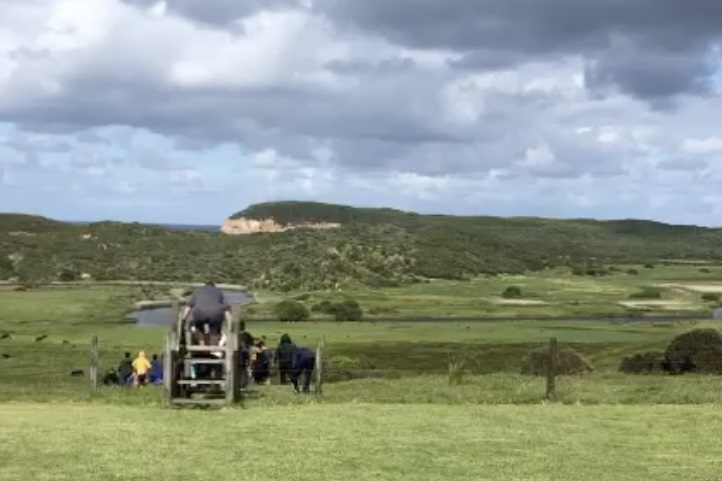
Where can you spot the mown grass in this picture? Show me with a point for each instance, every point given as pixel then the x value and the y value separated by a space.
pixel 553 293
pixel 361 442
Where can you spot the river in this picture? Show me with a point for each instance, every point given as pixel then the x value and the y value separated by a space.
pixel 162 316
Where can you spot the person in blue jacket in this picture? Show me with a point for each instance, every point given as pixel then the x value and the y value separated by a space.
pixel 303 362
pixel 156 370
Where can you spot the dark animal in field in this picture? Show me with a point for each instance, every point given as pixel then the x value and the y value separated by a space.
pixel 65 341
pixel 6 356
pixel 77 373
pixel 40 338
pixel 6 335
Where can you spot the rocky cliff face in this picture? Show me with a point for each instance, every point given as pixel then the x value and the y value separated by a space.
pixel 249 226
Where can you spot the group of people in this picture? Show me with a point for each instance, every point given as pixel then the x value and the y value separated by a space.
pixel 205 312
pixel 136 372
pixel 207 309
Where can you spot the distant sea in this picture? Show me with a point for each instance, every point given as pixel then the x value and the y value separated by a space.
pixel 213 228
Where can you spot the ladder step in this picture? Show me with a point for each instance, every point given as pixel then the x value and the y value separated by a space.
pixel 205 348
pixel 196 360
pixel 198 402
pixel 201 382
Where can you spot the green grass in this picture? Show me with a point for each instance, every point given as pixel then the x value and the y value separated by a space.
pixel 552 293
pixel 69 316
pixel 361 442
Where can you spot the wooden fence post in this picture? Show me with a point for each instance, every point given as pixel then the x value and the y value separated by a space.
pixel 320 345
pixel 552 370
pixel 94 363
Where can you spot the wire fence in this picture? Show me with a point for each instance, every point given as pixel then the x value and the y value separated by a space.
pixel 540 371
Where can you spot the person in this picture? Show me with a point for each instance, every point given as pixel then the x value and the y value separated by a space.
pixel 262 365
pixel 125 370
pixel 206 309
pixel 303 362
pixel 111 378
pixel 284 357
pixel 141 367
pixel 156 370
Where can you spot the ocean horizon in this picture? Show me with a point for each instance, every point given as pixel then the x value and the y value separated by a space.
pixel 196 227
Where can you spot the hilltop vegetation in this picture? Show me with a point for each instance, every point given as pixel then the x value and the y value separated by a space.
pixel 373 247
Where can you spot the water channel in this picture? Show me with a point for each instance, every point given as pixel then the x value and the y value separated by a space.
pixel 162 316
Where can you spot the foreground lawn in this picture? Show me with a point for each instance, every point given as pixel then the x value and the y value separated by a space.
pixel 361 442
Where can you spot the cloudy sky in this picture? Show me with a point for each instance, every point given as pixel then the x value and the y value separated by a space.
pixel 187 110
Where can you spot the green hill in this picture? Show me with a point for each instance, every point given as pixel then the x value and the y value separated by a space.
pixel 375 247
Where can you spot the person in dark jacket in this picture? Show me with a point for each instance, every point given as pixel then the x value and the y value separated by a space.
pixel 304 360
pixel 207 308
pixel 284 357
pixel 262 364
pixel 125 370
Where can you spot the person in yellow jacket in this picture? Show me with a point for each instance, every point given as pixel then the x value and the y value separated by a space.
pixel 141 367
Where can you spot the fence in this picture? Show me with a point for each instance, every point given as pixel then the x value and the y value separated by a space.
pixel 507 372
pixel 538 364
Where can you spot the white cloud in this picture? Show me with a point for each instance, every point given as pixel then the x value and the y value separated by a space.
pixel 325 105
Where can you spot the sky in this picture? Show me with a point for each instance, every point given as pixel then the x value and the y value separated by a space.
pixel 186 111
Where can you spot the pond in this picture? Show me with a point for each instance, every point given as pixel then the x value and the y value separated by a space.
pixel 162 315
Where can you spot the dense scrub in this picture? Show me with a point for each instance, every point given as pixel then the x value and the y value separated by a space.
pixel 374 247
pixel 568 362
pixel 696 351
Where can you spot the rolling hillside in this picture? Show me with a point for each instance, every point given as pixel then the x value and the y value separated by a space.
pixel 374 247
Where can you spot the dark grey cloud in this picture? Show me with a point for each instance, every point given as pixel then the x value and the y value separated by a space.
pixel 217 12
pixel 668 40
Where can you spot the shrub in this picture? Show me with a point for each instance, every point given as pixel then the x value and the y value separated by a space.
pixel 347 311
pixel 699 350
pixel 710 296
pixel 568 362
pixel 457 367
pixel 646 293
pixel 68 275
pixel 649 265
pixel 512 292
pixel 344 368
pixel 291 311
pixel 324 307
pixel 633 272
pixel 705 270
pixel 646 362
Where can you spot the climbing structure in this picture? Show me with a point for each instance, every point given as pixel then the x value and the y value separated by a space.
pixel 197 370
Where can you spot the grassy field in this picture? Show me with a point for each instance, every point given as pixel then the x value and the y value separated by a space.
pixel 362 442
pixel 549 293
pixel 49 330
pixel 405 421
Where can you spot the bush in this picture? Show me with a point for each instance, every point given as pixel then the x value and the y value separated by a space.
pixel 324 307
pixel 512 292
pixel 699 350
pixel 649 265
pixel 633 272
pixel 705 270
pixel 347 311
pixel 646 362
pixel 68 275
pixel 710 297
pixel 646 293
pixel 291 311
pixel 344 368
pixel 569 362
